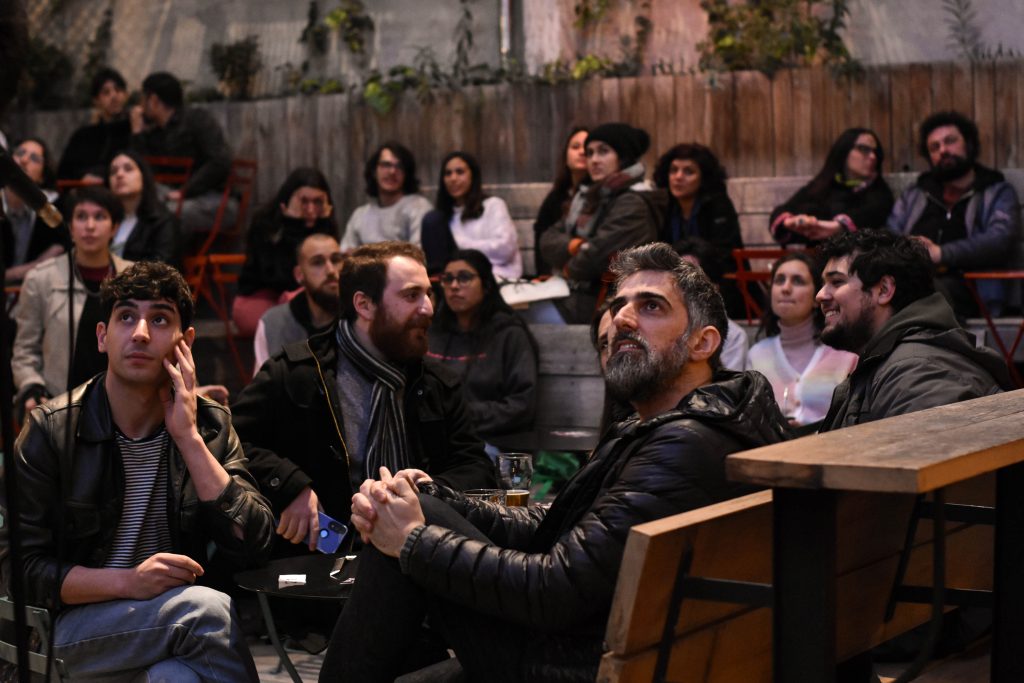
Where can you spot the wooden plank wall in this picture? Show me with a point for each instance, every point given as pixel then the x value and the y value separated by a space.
pixel 758 126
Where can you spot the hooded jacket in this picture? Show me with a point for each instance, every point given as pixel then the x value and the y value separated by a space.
pixel 921 358
pixel 553 572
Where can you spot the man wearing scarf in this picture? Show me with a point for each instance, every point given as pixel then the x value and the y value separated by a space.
pixel 326 413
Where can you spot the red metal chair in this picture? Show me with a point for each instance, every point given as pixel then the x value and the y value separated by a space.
pixel 971 279
pixel 66 185
pixel 173 172
pixel 753 265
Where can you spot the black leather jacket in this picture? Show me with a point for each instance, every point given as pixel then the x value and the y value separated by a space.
pixel 553 572
pixel 91 484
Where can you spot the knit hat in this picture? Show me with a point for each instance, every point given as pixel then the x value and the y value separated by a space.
pixel 628 142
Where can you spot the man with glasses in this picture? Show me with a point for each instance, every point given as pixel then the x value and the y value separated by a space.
pixel 395 210
pixel 966 215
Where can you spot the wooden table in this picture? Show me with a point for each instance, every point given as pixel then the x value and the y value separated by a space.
pixel 911 455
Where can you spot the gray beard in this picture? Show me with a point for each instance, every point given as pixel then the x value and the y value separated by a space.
pixel 633 377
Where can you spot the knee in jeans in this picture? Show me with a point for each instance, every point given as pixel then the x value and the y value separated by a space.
pixel 202 605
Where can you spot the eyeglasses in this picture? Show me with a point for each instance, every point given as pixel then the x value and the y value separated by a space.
pixel 389 166
pixel 866 150
pixel 32 156
pixel 463 277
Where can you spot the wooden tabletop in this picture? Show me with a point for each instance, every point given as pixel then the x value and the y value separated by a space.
pixel 911 453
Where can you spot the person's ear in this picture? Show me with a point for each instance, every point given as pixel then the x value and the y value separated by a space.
pixel 297 274
pixel 189 336
pixel 704 342
pixel 884 290
pixel 364 306
pixel 101 337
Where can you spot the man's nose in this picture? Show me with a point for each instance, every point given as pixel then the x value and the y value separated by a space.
pixel 625 318
pixel 141 330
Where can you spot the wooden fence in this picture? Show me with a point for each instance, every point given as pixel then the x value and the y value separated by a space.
pixel 758 126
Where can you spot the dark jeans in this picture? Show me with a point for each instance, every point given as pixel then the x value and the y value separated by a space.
pixel 381 621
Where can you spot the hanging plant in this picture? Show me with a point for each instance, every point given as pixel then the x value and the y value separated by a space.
pixel 352 23
pixel 236 65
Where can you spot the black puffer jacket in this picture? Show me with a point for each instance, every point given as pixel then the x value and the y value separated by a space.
pixel 554 574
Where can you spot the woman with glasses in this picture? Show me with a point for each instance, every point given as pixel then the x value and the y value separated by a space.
pixel 482 339
pixel 466 218
pixel 27 240
pixel 848 193
pixel 303 205
pixel 149 230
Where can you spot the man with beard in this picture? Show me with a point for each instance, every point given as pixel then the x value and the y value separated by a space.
pixel 327 412
pixel 318 262
pixel 966 215
pixel 880 302
pixel 523 594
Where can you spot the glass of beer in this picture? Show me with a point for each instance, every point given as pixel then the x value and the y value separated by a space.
pixel 487 495
pixel 515 474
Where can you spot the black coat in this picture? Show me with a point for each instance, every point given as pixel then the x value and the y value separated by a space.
pixel 554 572
pixel 270 251
pixel 868 208
pixel 156 237
pixel 290 422
pixel 92 148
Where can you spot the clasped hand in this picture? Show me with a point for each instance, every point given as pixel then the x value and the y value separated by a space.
pixel 385 511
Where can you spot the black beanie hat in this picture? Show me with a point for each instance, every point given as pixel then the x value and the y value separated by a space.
pixel 628 142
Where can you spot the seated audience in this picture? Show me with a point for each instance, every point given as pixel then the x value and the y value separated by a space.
pixel 396 209
pixel 525 593
pixel 149 230
pixel 572 171
pixel 477 334
pixel 27 240
pixel 611 212
pixel 699 207
pixel 466 218
pixel 965 214
pixel 152 482
pixel 92 147
pixel 303 206
pixel 880 303
pixel 40 356
pixel 848 193
pixel 802 370
pixel 163 126
pixel 322 415
pixel 314 309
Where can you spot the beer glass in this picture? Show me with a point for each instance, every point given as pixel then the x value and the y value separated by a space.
pixel 487 495
pixel 515 474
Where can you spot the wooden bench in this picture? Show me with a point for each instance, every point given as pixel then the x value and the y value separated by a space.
pixel 826 547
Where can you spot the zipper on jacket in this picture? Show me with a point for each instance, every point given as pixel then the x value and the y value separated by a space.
pixel 330 406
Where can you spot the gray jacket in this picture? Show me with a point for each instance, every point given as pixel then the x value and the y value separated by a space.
pixel 920 359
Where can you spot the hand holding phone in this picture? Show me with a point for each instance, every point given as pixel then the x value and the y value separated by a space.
pixel 331 534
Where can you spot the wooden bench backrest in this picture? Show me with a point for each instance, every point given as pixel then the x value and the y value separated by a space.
pixel 570 388
pixel 717 642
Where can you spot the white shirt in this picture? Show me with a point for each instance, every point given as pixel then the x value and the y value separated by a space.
pixel 372 223
pixel 494 234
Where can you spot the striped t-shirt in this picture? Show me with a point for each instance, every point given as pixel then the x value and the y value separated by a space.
pixel 143 530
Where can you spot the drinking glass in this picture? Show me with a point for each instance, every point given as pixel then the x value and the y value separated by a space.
pixel 487 495
pixel 515 474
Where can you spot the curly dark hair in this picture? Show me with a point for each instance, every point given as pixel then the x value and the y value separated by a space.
pixel 712 173
pixel 366 270
pixel 877 253
pixel 102 76
pixel 49 175
pixel 967 128
pixel 148 281
pixel 405 157
pixel 474 202
pixel 166 87
pixel 703 302
pixel 270 213
pixel 769 320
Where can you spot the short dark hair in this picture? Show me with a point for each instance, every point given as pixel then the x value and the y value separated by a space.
pixel 166 87
pixel 405 157
pixel 967 128
pixel 877 253
pixel 366 270
pixel 712 173
pixel 769 320
pixel 100 196
pixel 148 281
pixel 101 77
pixel 703 302
pixel 473 206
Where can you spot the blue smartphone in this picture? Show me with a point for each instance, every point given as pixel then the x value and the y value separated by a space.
pixel 332 533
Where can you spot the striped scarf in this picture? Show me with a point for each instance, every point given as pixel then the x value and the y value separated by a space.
pixel 385 442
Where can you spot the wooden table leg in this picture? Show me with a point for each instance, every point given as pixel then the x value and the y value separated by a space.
pixel 1008 598
pixel 804 617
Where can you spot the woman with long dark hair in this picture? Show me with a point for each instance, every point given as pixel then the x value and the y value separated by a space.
pixel 27 240
pixel 572 171
pixel 467 218
pixel 698 207
pixel 848 193
pixel 149 230
pixel 480 337
pixel 303 205
pixel 802 370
